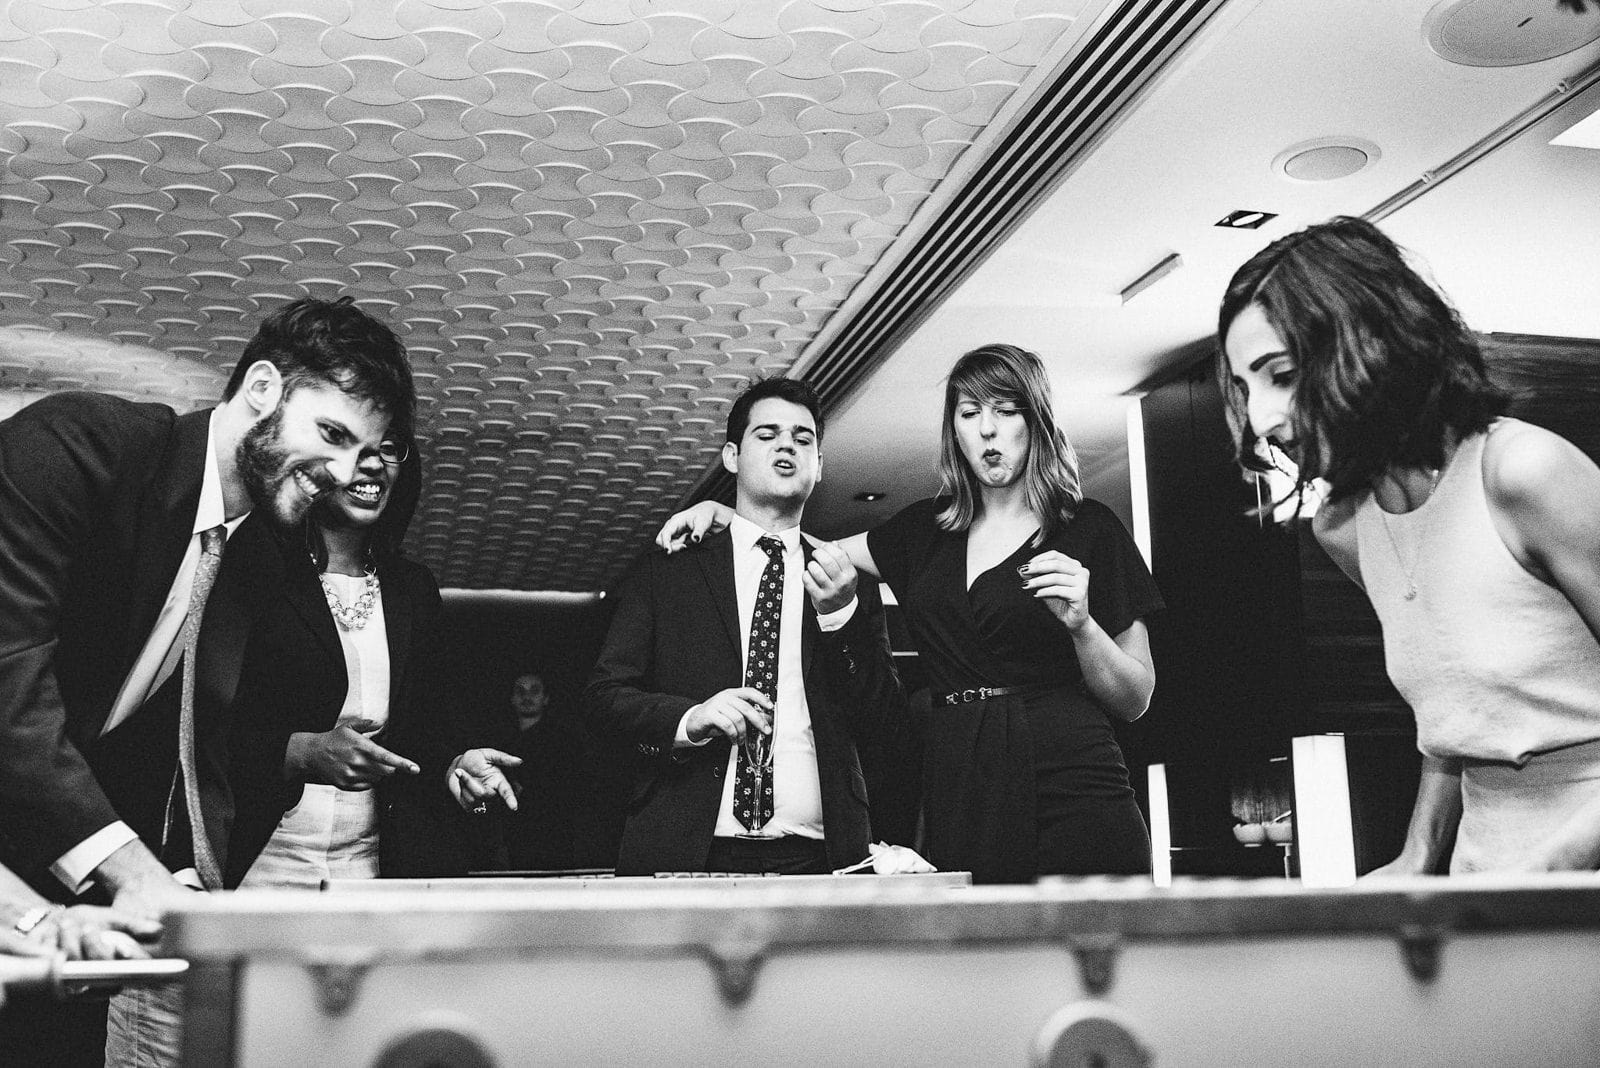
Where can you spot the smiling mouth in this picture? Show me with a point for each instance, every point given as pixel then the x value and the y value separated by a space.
pixel 783 467
pixel 307 485
pixel 365 493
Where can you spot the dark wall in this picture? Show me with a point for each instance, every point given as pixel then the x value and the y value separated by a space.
pixel 1227 646
pixel 484 645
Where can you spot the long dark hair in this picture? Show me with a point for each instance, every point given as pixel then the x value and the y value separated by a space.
pixel 1387 373
pixel 385 535
pixel 1011 375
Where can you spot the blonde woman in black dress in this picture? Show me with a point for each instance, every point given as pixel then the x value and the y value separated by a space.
pixel 1026 602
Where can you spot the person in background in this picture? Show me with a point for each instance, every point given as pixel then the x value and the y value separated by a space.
pixel 1473 535
pixel 743 670
pixel 120 523
pixel 539 834
pixel 1026 602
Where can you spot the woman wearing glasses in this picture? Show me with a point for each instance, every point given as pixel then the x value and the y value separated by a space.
pixel 340 752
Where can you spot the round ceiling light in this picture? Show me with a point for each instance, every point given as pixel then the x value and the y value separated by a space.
pixel 1326 159
pixel 1506 33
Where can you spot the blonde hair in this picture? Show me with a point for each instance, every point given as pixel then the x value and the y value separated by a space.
pixel 1011 375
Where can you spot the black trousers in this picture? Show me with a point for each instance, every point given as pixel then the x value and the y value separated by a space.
pixel 788 855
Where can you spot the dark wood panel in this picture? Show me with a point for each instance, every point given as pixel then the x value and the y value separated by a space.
pixel 1553 381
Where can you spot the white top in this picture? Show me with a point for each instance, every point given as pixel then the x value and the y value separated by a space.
pixel 1496 664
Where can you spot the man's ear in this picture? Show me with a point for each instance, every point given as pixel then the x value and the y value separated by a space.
pixel 730 457
pixel 819 464
pixel 262 388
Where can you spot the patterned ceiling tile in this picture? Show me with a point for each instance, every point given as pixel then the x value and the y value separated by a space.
pixel 592 221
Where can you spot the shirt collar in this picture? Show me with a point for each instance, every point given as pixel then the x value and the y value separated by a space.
pixel 211 509
pixel 745 534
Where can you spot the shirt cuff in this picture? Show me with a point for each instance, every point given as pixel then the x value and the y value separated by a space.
pixel 76 866
pixel 681 739
pixel 828 622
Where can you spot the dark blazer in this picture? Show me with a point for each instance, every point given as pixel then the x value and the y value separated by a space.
pixel 674 641
pixel 294 679
pixel 97 506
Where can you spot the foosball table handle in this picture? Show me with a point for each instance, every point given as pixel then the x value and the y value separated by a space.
pixel 63 977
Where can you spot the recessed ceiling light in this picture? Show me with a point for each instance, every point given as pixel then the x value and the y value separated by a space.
pixel 1506 33
pixel 1326 159
pixel 868 496
pixel 1246 220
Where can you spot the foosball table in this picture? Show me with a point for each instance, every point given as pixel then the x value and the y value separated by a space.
pixel 895 970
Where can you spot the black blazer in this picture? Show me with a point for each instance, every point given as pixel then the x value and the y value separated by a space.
pixel 97 506
pixel 294 679
pixel 673 642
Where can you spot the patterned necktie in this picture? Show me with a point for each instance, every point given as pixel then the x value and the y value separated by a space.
pixel 752 785
pixel 205 573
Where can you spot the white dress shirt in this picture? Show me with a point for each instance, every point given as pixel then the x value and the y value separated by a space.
pixel 157 660
pixel 796 789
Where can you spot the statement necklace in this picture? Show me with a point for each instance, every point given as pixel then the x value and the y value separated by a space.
pixel 353 616
pixel 1410 572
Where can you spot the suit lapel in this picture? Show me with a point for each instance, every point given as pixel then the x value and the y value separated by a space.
pixel 716 565
pixel 397 630
pixel 808 621
pixel 303 591
pixel 165 525
pixel 252 569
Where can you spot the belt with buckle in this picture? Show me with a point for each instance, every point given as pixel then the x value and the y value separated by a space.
pixel 983 693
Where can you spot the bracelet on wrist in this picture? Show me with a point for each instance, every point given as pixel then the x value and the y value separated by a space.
pixel 32 918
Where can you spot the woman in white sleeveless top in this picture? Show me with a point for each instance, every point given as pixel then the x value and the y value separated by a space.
pixel 1473 534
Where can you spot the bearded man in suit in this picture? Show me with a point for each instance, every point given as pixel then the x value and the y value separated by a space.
pixel 114 518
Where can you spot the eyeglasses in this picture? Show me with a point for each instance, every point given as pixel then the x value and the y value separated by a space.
pixel 393 452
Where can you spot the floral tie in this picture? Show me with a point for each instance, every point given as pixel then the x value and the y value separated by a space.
pixel 205 573
pixel 752 784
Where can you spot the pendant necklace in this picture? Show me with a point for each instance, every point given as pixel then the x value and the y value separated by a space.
pixel 353 616
pixel 1410 572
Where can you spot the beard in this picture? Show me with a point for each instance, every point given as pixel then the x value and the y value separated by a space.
pixel 266 471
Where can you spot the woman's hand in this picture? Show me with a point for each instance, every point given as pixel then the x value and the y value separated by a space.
pixel 692 524
pixel 342 757
pixel 1061 583
pixel 475 776
pixel 1401 867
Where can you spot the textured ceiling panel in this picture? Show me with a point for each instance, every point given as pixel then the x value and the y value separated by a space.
pixel 591 222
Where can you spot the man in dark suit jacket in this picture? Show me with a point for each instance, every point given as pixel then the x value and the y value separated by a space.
pixel 671 680
pixel 104 505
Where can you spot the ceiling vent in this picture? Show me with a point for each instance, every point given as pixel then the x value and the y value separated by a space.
pixel 1507 33
pixel 1326 159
